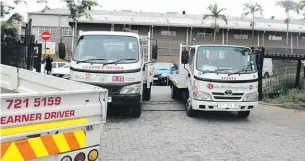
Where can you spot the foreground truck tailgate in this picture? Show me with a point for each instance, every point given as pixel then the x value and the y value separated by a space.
pixel 50 118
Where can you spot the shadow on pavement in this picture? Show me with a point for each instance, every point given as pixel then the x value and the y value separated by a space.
pixel 219 116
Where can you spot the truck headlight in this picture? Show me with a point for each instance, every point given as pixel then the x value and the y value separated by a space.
pixel 202 96
pixel 131 89
pixel 251 97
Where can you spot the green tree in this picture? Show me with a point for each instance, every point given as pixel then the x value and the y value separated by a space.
pixel 215 14
pixel 288 5
pixel 250 8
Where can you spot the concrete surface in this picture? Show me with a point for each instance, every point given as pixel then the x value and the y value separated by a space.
pixel 165 133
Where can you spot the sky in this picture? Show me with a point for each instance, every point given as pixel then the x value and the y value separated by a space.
pixel 234 7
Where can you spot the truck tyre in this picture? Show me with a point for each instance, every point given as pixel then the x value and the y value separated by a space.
pixel 174 92
pixel 243 114
pixel 146 93
pixel 188 108
pixel 136 110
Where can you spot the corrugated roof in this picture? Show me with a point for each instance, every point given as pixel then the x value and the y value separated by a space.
pixel 174 19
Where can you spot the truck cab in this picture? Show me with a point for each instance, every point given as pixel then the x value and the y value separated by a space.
pixel 216 78
pixel 115 61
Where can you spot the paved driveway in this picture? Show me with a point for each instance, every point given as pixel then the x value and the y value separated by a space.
pixel 165 133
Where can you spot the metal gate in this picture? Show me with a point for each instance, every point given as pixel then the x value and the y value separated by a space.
pixel 279 71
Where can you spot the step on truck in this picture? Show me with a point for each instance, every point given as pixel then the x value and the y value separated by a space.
pixel 117 61
pixel 46 118
pixel 216 78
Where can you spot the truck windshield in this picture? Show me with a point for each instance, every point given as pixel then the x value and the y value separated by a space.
pixel 228 60
pixel 106 48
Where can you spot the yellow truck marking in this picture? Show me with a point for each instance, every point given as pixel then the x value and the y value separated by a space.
pixel 42 126
pixel 28 149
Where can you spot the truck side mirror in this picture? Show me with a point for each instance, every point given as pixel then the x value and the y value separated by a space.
pixel 184 57
pixel 154 52
pixel 61 50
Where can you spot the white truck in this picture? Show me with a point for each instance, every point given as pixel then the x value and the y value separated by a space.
pixel 46 118
pixel 115 61
pixel 216 78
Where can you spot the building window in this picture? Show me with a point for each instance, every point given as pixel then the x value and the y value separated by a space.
pixel 204 33
pixel 275 38
pixel 303 39
pixel 168 31
pixel 37 30
pixel 243 35
pixel 66 31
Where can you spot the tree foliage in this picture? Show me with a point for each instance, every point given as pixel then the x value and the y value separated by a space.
pixel 251 9
pixel 215 14
pixel 289 6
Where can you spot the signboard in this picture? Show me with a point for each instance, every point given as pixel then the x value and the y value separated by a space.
pixel 48 48
pixel 46 35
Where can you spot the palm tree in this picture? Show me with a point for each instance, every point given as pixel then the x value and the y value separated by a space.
pixel 215 14
pixel 250 8
pixel 288 5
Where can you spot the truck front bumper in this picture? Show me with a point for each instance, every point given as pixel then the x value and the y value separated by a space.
pixel 223 106
pixel 125 100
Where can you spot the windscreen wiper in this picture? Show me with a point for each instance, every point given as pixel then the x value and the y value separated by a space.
pixel 238 72
pixel 116 61
pixel 84 61
pixel 219 70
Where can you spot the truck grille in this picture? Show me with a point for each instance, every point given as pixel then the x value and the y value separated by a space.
pixel 113 90
pixel 222 96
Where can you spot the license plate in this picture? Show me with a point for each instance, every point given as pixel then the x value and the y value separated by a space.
pixel 227 106
pixel 117 79
pixel 109 99
pixel 155 78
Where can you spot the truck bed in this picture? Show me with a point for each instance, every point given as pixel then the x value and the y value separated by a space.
pixel 178 80
pixel 34 105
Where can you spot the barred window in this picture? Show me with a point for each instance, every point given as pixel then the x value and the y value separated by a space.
pixel 37 30
pixel 168 31
pixel 204 33
pixel 66 31
pixel 240 34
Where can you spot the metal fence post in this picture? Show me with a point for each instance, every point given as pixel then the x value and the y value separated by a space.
pixel 298 74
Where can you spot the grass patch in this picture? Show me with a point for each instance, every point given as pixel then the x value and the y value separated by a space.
pixel 294 96
pixel 285 92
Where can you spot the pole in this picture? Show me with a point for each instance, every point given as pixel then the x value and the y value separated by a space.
pixel 297 79
pixel 45 54
pixel 45 48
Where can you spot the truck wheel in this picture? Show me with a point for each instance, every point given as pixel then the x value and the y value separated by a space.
pixel 174 92
pixel 188 108
pixel 146 93
pixel 136 110
pixel 243 114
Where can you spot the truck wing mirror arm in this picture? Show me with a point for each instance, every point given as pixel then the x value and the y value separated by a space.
pixel 148 63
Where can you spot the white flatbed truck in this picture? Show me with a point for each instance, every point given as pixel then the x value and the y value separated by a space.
pixel 46 118
pixel 216 78
pixel 115 61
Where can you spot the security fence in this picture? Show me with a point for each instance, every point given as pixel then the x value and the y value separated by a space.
pixel 281 72
pixel 18 51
